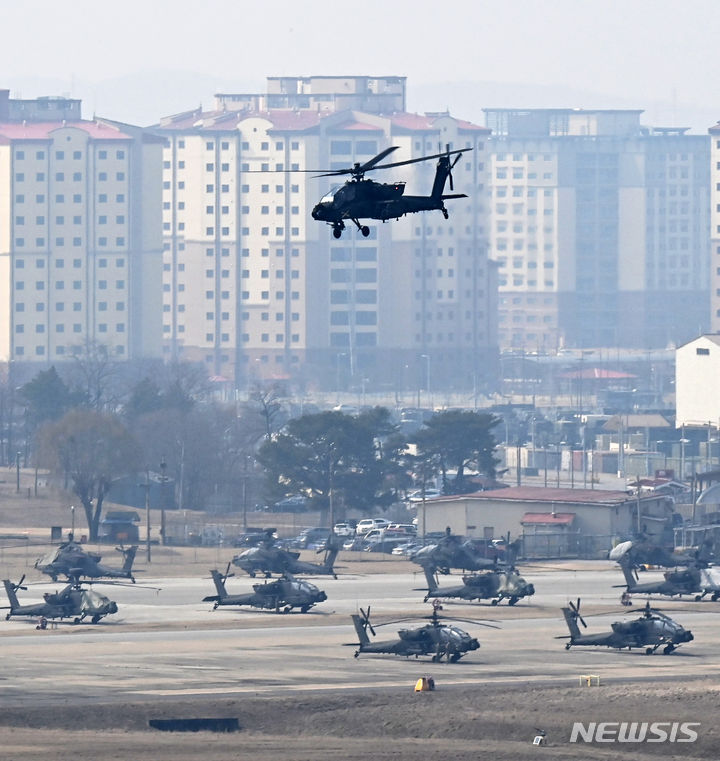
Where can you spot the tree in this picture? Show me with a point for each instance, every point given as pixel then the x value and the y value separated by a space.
pixel 93 449
pixel 455 441
pixel 266 402
pixel 323 455
pixel 47 397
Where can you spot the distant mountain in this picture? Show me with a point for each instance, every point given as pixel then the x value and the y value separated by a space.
pixel 144 97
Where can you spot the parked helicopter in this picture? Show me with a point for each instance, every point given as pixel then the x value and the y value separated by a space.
pixel 70 559
pixel 436 638
pixel 360 199
pixel 641 553
pixel 697 582
pixel 452 551
pixel 71 602
pixel 269 559
pixel 652 630
pixel 279 595
pixel 495 585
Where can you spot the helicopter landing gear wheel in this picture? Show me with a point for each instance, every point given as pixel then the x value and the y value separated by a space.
pixel 513 600
pixel 445 213
pixel 287 609
pixel 668 649
pixel 337 232
pixel 494 602
pixel 714 597
pixel 7 617
pixel 454 658
pixel 567 645
pixel 365 230
pixel 649 651
pixel 95 618
pixel 304 608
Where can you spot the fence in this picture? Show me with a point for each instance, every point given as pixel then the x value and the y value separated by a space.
pixel 565 545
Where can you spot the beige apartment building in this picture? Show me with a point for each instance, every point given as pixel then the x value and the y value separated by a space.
pixel 80 234
pixel 256 289
pixel 715 228
pixel 599 227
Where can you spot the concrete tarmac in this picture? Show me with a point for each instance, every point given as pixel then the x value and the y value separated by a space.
pixel 168 644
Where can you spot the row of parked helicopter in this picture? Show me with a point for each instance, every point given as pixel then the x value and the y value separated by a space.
pixel 490 580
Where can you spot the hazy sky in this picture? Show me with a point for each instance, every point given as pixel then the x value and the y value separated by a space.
pixel 634 50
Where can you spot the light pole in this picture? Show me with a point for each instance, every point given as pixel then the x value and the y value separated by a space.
pixel 17 471
pixel 164 480
pixel 72 521
pixel 426 357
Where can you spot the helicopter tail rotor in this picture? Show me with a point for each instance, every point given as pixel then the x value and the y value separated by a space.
pixel 575 608
pixel 366 620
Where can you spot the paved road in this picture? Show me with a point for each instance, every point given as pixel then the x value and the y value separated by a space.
pixel 167 643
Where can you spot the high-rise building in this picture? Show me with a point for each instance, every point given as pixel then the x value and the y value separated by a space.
pixel 714 228
pixel 254 288
pixel 599 227
pixel 80 234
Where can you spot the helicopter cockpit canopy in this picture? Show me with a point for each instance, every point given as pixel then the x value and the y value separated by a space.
pixel 330 195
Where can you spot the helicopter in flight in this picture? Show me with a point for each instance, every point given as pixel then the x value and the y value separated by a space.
pixel 436 639
pixel 282 594
pixel 74 601
pixel 268 559
pixel 652 630
pixel 496 586
pixel 71 560
pixel 360 199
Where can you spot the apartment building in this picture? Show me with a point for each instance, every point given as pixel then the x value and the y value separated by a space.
pixel 599 227
pixel 80 234
pixel 256 289
pixel 715 228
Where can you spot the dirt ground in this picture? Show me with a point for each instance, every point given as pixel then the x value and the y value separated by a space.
pixel 457 724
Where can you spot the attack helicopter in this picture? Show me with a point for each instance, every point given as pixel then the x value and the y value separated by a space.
pixel 360 199
pixel 641 553
pixel 652 630
pixel 436 639
pixel 452 551
pixel 73 602
pixel 269 559
pixel 279 595
pixel 495 586
pixel 71 560
pixel 697 582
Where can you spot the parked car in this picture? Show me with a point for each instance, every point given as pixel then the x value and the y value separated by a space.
pixel 367 524
pixel 253 537
pixel 403 528
pixel 344 529
pixel 310 537
pixel 295 504
pixel 407 548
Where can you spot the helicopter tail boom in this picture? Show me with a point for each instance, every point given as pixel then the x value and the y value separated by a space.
pixel 360 629
pixel 12 597
pixel 571 621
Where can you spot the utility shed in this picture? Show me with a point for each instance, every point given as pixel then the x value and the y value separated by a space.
pixel 598 516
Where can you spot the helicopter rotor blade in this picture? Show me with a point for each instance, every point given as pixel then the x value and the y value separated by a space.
pixel 421 158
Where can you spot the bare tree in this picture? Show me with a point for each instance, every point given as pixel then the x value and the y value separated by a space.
pixel 92 449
